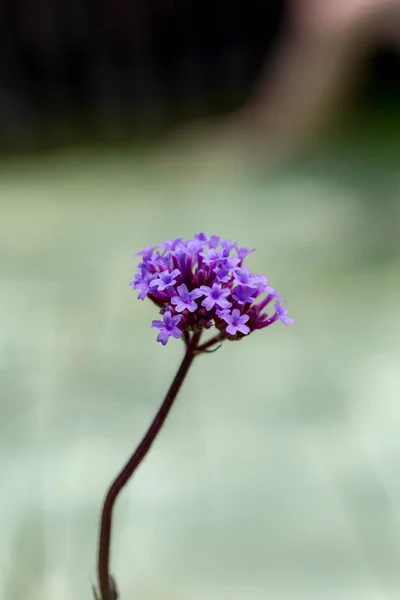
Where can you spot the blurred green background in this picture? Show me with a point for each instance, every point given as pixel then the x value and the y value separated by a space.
pixel 277 474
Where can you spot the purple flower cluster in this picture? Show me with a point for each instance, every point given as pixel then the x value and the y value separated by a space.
pixel 202 282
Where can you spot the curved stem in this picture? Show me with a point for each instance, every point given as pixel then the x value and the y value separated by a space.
pixel 204 347
pixel 106 583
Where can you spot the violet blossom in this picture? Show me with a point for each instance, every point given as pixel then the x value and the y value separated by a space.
pixel 236 322
pixel 165 280
pixel 185 299
pixel 215 296
pixel 176 274
pixel 168 327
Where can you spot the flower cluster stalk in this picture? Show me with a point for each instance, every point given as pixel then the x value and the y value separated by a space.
pixel 196 284
pixel 107 586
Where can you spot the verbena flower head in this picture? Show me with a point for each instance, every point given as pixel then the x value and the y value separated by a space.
pixel 202 282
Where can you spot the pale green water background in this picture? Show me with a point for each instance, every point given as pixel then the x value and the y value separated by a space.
pixel 278 473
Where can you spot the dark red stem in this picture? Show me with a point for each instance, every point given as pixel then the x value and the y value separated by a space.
pixel 107 587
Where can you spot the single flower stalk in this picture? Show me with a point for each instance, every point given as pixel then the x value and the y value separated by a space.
pixel 196 284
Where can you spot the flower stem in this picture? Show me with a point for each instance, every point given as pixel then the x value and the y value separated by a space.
pixel 106 583
pixel 204 347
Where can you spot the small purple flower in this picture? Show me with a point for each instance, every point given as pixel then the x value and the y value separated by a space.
pixel 141 282
pixel 215 296
pixel 222 273
pixel 244 294
pixel 143 288
pixel 261 283
pixel 243 252
pixel 272 294
pixel 236 322
pixel 228 245
pixel 201 237
pixel 168 327
pixel 193 247
pixel 232 262
pixel 244 277
pixel 211 256
pixel 146 252
pixel 281 314
pixel 159 261
pixel 165 280
pixel 213 241
pixel 186 299
pixel 169 245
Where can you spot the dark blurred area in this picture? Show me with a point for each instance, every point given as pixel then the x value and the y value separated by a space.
pixel 111 70
pixel 112 67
